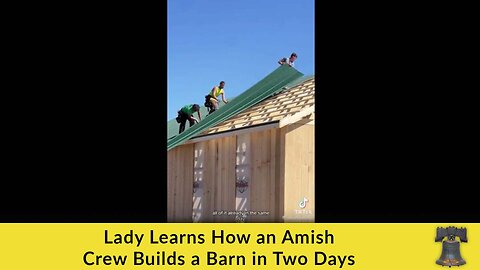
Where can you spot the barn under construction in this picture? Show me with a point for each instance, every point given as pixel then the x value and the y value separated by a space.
pixel 250 161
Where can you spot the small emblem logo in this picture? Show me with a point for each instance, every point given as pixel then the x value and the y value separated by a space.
pixel 450 246
pixel 303 202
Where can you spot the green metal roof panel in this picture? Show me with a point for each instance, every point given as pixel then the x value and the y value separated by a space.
pixel 266 87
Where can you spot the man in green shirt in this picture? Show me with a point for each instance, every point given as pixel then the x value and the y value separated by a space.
pixel 186 113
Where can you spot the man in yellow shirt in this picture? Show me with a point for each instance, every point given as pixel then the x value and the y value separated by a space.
pixel 211 100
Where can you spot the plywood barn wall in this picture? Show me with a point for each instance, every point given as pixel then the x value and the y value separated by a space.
pixel 299 172
pixel 219 178
pixel 265 175
pixel 180 183
pixel 281 173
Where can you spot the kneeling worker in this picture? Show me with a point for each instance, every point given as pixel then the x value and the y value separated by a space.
pixel 186 113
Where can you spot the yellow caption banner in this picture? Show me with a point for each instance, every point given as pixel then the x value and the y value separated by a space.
pixel 233 246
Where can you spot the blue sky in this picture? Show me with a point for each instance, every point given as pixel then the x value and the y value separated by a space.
pixel 238 42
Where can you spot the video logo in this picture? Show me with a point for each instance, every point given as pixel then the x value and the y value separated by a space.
pixel 303 202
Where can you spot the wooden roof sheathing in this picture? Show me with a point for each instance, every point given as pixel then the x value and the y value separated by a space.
pixel 299 98
pixel 268 86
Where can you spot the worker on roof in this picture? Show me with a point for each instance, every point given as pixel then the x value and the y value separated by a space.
pixel 211 100
pixel 289 61
pixel 186 113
